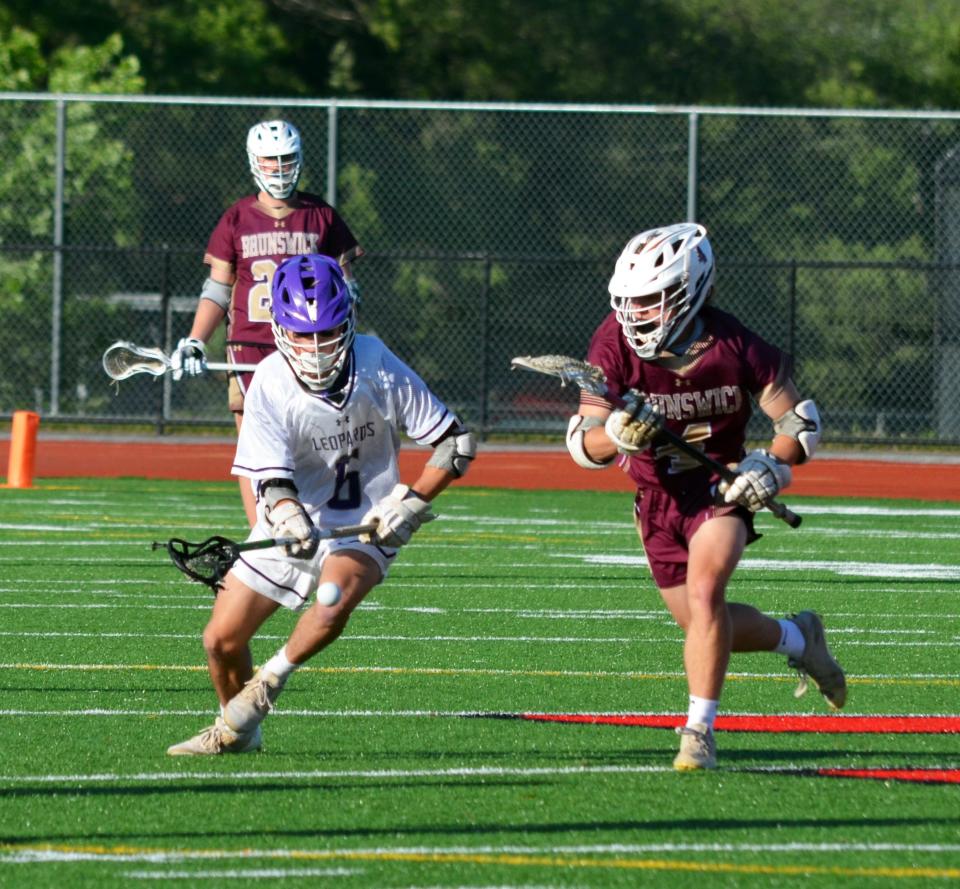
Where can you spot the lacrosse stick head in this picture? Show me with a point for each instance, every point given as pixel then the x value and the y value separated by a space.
pixel 124 359
pixel 207 562
pixel 588 377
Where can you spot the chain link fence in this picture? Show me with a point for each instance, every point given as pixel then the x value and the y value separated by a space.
pixel 491 231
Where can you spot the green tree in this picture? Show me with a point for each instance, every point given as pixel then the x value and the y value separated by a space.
pixel 99 176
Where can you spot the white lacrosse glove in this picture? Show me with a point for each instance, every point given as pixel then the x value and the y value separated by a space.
pixel 761 476
pixel 635 425
pixel 189 358
pixel 289 519
pixel 397 515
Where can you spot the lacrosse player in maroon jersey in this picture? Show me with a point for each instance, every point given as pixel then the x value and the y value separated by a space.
pixel 680 363
pixel 251 239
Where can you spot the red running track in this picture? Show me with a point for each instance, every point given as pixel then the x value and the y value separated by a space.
pixel 501 468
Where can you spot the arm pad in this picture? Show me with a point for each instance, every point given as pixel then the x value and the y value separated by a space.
pixel 577 426
pixel 455 452
pixel 802 424
pixel 217 293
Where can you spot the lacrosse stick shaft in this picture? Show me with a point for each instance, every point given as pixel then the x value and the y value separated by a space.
pixel 322 533
pixel 590 378
pixel 782 512
pixel 226 365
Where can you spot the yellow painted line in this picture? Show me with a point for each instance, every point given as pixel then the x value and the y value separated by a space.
pixel 504 859
pixel 947 682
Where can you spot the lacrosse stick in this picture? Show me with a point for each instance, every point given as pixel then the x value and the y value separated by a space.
pixel 590 378
pixel 124 359
pixel 209 561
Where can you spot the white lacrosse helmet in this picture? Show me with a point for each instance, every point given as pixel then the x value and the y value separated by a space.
pixel 276 157
pixel 660 281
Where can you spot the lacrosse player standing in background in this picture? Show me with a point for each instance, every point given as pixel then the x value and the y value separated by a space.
pixel 320 441
pixel 680 363
pixel 251 239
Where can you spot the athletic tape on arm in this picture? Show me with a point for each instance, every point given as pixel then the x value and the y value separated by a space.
pixel 217 293
pixel 576 429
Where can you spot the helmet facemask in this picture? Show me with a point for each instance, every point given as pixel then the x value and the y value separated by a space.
pixel 318 358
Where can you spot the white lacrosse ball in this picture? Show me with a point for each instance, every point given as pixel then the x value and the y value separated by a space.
pixel 328 594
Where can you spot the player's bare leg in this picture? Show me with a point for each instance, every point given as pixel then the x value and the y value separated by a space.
pixel 701 609
pixel 246 489
pixel 238 612
pixel 751 629
pixel 354 575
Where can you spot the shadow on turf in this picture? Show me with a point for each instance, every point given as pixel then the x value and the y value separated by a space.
pixel 571 827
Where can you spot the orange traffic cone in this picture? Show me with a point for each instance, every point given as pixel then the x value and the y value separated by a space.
pixel 23 449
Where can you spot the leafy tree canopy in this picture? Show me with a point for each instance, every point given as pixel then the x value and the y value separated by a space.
pixel 874 53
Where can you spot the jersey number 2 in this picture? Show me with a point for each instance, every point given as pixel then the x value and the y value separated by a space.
pixel 258 303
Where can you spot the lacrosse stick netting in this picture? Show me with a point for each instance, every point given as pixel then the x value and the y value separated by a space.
pixel 209 561
pixel 124 359
pixel 588 377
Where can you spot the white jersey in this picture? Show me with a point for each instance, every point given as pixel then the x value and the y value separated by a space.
pixel 341 452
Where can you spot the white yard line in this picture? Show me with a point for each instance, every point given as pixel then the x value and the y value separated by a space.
pixel 240 777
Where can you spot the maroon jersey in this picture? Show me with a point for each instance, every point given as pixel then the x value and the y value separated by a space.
pixel 704 395
pixel 254 243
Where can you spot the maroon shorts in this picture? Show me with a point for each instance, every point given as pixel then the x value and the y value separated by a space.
pixel 666 523
pixel 243 353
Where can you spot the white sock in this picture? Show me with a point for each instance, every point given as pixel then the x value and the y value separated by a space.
pixel 702 710
pixel 279 666
pixel 791 641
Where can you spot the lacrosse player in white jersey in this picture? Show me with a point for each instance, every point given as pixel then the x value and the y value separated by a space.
pixel 319 443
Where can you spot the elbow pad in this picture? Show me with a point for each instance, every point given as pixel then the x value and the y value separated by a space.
pixel 576 428
pixel 802 424
pixel 455 452
pixel 217 293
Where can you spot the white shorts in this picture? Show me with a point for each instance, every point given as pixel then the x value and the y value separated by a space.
pixel 290 581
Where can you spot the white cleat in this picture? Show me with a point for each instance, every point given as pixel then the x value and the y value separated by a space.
pixel 249 707
pixel 217 739
pixel 817 662
pixel 698 749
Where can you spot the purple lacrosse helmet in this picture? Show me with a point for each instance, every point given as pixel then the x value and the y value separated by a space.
pixel 310 296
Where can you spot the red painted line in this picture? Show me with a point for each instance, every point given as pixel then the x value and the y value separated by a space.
pixel 898 725
pixel 925 776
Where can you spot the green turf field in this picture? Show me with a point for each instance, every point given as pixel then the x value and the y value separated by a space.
pixel 385 765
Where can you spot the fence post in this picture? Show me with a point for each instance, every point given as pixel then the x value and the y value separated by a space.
pixel 56 308
pixel 693 161
pixel 332 160
pixel 485 340
pixel 792 308
pixel 165 316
